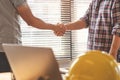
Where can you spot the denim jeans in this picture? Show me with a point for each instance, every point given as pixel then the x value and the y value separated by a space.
pixel 4 64
pixel 118 56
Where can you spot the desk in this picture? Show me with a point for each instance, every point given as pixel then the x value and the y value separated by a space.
pixel 8 76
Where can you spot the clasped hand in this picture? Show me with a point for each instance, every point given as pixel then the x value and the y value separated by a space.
pixel 59 30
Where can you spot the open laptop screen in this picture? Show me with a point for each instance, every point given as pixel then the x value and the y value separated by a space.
pixel 32 63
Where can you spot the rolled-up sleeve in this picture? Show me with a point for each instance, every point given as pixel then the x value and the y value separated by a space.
pixel 87 16
pixel 17 3
pixel 116 18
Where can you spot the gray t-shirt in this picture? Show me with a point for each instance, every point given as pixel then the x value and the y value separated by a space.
pixel 9 24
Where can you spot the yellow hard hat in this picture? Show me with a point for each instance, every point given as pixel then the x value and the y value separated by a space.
pixel 94 65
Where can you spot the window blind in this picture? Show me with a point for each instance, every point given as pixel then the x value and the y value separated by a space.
pixel 54 11
pixel 79 37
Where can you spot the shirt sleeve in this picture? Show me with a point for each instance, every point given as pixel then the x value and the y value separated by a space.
pixel 17 3
pixel 116 18
pixel 87 16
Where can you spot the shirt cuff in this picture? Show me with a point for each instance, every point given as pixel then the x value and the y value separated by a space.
pixel 18 3
pixel 86 21
pixel 116 30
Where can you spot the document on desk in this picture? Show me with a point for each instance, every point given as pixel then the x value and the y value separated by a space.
pixel 6 76
pixel 119 65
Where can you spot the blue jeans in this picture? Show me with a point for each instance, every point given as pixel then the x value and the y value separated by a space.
pixel 4 64
pixel 118 56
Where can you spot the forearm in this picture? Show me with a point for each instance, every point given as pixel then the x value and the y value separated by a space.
pixel 75 25
pixel 115 45
pixel 38 23
pixel 25 12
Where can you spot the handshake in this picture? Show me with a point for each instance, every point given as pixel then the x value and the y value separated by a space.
pixel 59 29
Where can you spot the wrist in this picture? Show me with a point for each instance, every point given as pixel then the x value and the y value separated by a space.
pixel 67 26
pixel 51 26
pixel 113 52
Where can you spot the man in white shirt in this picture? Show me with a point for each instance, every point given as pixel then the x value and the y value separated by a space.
pixel 10 28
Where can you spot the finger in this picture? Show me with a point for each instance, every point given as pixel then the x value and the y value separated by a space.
pixel 59 34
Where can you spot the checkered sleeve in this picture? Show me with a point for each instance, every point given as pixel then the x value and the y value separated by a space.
pixel 116 18
pixel 87 16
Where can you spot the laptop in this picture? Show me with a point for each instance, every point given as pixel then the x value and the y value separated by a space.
pixel 32 63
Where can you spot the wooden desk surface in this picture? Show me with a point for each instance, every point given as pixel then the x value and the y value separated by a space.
pixel 8 76
pixel 119 65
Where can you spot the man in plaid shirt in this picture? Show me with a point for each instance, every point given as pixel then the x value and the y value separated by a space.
pixel 103 20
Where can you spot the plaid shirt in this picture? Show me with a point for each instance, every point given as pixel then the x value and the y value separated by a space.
pixel 103 20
